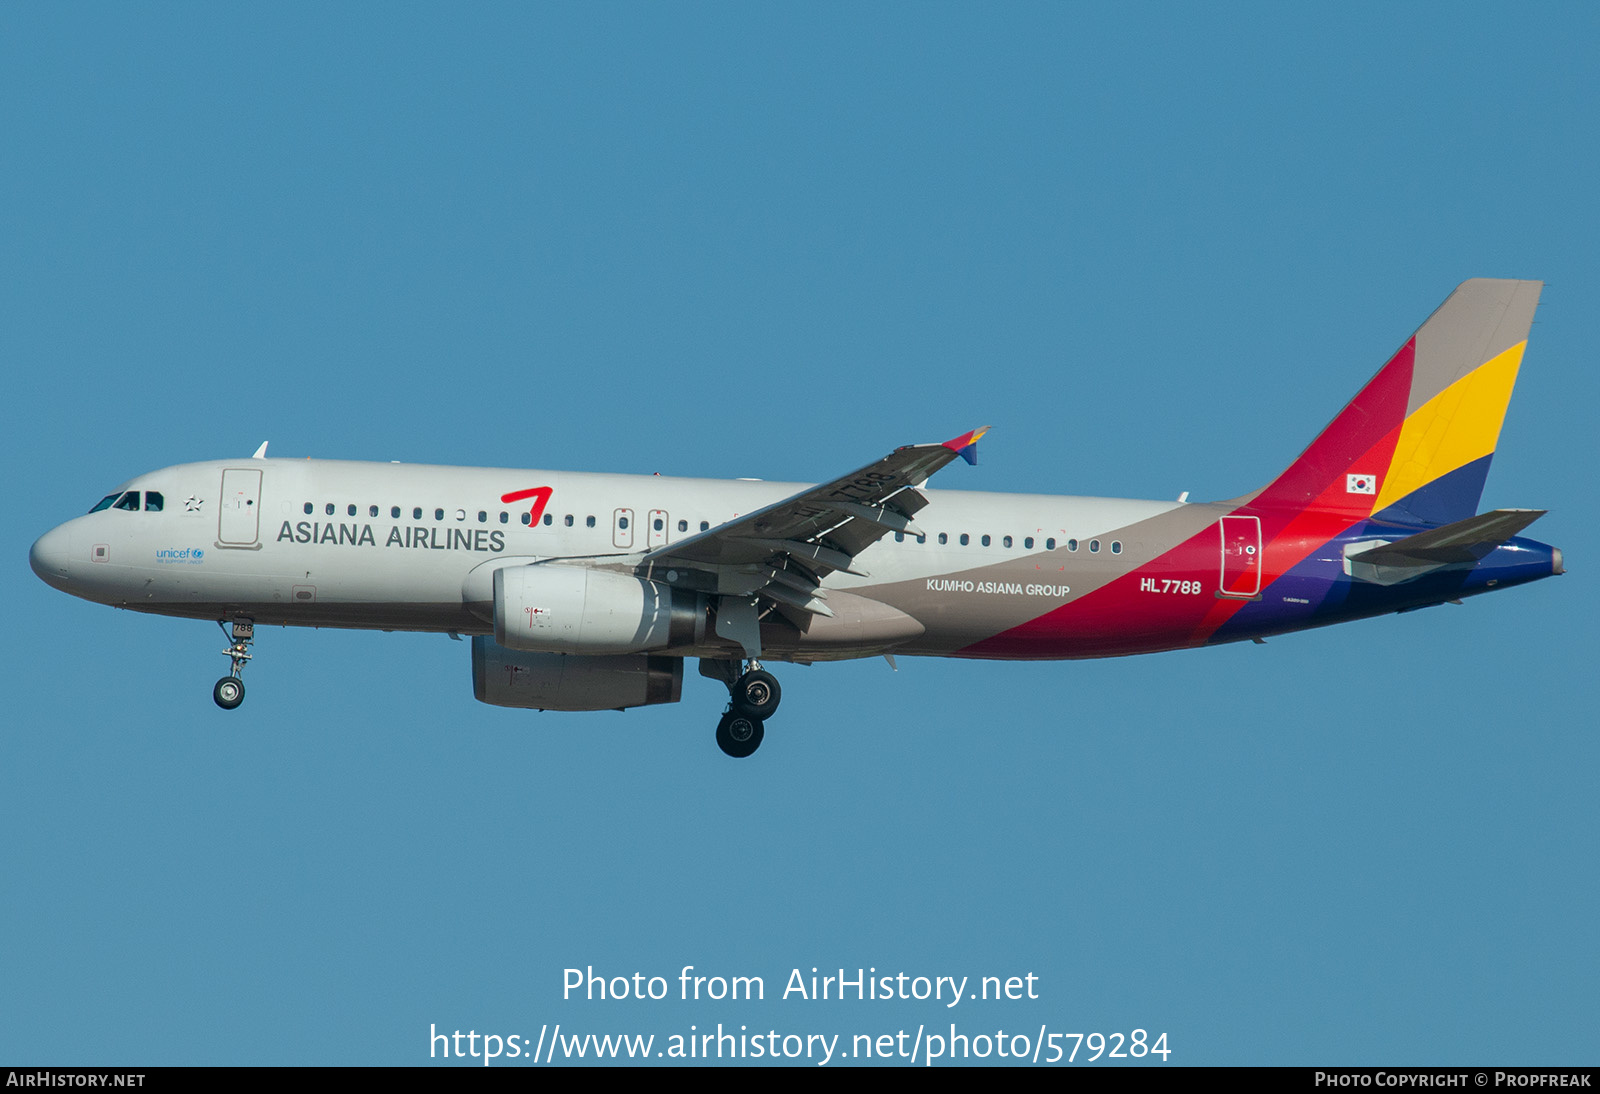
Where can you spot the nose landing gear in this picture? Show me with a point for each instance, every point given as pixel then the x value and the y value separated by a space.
pixel 229 691
pixel 753 698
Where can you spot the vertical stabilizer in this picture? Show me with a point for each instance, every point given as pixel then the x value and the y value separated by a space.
pixel 1414 445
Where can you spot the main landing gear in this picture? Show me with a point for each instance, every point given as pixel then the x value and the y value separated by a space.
pixel 229 691
pixel 753 698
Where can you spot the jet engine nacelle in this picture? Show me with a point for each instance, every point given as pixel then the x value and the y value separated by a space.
pixel 554 608
pixel 559 681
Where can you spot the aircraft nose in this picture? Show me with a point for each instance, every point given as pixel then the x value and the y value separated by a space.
pixel 49 555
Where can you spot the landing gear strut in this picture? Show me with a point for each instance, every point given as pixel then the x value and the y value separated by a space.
pixel 754 695
pixel 229 691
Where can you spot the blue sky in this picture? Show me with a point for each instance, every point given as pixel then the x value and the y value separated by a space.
pixel 1155 248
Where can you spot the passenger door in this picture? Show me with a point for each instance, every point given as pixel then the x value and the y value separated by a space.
pixel 239 517
pixel 1241 556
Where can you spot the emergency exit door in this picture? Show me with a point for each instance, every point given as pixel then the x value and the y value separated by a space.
pixel 622 529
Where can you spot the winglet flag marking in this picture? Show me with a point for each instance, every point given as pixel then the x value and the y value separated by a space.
pixel 966 445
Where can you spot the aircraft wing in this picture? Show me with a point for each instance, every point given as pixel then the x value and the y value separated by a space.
pixel 804 537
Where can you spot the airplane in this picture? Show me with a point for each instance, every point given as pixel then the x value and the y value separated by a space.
pixel 584 591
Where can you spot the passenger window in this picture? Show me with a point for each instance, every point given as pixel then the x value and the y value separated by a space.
pixel 1116 546
pixel 527 518
pixel 350 510
pixel 1050 544
pixel 1006 542
pixel 153 501
pixel 372 510
pixel 705 525
pixel 483 517
pixel 567 520
pixel 1094 546
pixel 438 514
pixel 943 539
pixel 1028 543
pixel 986 541
pixel 394 512
pixel 622 522
pixel 1072 545
pixel 504 517
pixel 965 539
pixel 128 501
pixel 659 524
pixel 899 537
pixel 105 503
pixel 922 539
pixel 683 526
pixel 416 512
pixel 548 520
pixel 588 522
pixel 309 509
pixel 328 509
pixel 461 514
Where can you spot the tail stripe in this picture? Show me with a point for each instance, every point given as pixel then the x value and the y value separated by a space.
pixel 1457 426
pixel 1365 429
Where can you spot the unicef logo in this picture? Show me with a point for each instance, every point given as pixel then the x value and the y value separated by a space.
pixel 198 553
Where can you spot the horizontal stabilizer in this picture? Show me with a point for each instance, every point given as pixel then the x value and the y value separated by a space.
pixel 1462 542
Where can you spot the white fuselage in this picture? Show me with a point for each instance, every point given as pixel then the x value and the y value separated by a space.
pixel 392 546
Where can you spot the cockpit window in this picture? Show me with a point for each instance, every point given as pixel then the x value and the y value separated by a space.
pixel 105 502
pixel 153 501
pixel 128 501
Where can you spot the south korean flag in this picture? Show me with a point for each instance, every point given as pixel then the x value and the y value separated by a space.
pixel 1360 484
